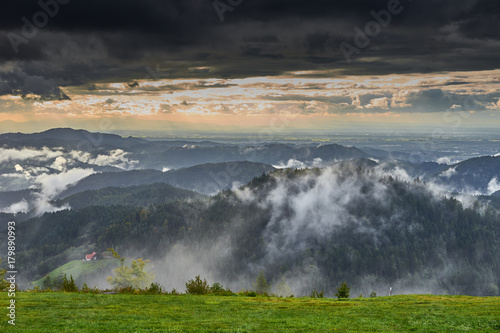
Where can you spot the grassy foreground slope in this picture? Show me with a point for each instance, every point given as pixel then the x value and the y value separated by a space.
pixel 65 312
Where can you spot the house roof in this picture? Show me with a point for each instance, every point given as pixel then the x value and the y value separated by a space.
pixel 90 256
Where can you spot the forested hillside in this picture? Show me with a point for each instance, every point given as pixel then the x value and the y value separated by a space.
pixel 314 228
pixel 136 196
pixel 206 178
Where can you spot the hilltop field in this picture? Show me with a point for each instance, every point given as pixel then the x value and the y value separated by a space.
pixel 79 312
pixel 79 269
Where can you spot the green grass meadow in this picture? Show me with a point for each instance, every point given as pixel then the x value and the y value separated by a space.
pixel 80 312
pixel 77 268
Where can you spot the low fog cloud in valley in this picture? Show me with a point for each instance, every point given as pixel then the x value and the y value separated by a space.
pixel 49 171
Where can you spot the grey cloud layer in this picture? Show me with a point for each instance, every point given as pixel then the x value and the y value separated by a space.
pixel 95 40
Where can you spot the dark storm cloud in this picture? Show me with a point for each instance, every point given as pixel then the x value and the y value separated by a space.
pixel 17 82
pixel 431 99
pixel 125 40
pixel 302 98
pixel 437 100
pixel 481 21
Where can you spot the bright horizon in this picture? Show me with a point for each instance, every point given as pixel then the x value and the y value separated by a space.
pixel 285 105
pixel 192 68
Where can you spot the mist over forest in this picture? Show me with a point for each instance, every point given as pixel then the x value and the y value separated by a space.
pixel 312 215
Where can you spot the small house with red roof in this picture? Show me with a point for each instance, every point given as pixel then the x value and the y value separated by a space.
pixel 91 256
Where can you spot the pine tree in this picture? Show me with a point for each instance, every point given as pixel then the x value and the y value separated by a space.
pixel 69 285
pixel 283 289
pixel 47 283
pixel 343 291
pixel 260 285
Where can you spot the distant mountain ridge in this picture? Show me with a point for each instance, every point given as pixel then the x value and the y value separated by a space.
pixel 174 154
pixel 206 179
pixel 475 173
pixel 150 157
pixel 72 137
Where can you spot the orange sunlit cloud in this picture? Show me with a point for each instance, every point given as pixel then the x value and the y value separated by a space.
pixel 305 100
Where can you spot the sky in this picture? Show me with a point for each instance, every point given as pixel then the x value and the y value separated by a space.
pixel 241 66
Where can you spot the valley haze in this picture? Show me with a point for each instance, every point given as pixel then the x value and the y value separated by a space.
pixel 309 212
